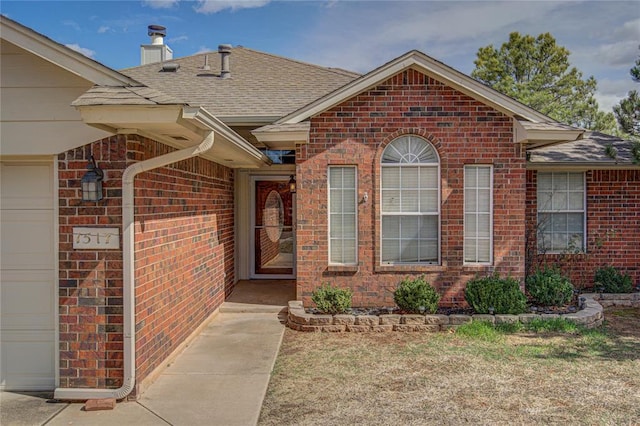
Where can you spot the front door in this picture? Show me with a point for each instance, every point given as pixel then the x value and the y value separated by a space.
pixel 273 229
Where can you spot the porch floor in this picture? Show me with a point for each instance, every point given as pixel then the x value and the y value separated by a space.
pixel 260 296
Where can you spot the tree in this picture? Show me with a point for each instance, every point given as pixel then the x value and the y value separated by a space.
pixel 536 71
pixel 627 113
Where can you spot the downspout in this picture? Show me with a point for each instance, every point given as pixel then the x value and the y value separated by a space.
pixel 128 255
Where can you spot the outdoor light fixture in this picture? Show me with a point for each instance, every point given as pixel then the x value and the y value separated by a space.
pixel 292 185
pixel 92 182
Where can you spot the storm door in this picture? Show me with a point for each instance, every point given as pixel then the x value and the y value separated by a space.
pixel 273 235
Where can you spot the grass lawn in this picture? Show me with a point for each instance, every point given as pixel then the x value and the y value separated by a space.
pixel 590 377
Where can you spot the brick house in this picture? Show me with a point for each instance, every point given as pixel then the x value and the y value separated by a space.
pixel 410 169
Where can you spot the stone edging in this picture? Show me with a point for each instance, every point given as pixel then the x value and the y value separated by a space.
pixel 629 300
pixel 298 319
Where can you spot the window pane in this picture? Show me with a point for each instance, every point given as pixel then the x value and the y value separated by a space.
pixel 410 201
pixel 559 223
pixel 335 204
pixel 409 251
pixel 409 178
pixel 544 182
pixel 484 200
pixel 484 250
pixel 575 222
pixel 559 181
pixel 559 201
pixel 391 227
pixel 470 200
pixel 429 227
pixel 349 251
pixel 484 225
pixel 390 177
pixel 429 201
pixel 390 251
pixel 349 200
pixel 576 181
pixel 428 251
pixel 576 201
pixel 391 201
pixel 470 226
pixel 429 177
pixel 409 227
pixel 544 201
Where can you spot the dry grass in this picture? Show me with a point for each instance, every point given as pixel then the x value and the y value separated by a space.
pixel 448 379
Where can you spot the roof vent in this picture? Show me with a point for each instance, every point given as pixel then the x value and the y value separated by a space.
pixel 157 51
pixel 157 33
pixel 206 66
pixel 225 52
pixel 170 67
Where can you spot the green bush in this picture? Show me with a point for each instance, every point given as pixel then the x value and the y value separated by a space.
pixel 493 293
pixel 412 294
pixel 549 287
pixel 332 300
pixel 612 281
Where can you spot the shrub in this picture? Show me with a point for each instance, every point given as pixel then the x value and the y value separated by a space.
pixel 332 300
pixel 502 295
pixel 549 287
pixel 412 294
pixel 612 281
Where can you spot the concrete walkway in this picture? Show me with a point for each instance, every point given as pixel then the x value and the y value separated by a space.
pixel 219 379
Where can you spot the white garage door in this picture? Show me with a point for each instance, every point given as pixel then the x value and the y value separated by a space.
pixel 27 296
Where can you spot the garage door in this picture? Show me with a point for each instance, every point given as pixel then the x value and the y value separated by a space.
pixel 27 325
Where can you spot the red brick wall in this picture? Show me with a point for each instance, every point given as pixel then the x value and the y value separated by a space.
pixel 90 295
pixel 184 251
pixel 613 227
pixel 184 259
pixel 462 130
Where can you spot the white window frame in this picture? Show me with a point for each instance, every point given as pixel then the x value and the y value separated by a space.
pixel 583 211
pixel 475 167
pixel 438 212
pixel 329 214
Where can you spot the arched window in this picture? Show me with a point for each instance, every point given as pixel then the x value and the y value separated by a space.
pixel 410 202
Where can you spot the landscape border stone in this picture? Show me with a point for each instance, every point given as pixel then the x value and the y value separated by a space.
pixel 590 316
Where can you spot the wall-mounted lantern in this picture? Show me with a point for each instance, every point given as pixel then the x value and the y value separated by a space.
pixel 92 182
pixel 292 184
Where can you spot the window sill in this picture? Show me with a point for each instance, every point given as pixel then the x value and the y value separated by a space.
pixel 410 268
pixel 343 268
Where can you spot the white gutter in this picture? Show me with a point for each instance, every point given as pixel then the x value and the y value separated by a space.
pixel 128 255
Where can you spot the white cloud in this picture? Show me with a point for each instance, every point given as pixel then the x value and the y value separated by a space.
pixel 177 39
pixel 214 6
pixel 160 4
pixel 72 24
pixel 86 52
pixel 203 49
pixel 610 92
pixel 356 37
pixel 103 29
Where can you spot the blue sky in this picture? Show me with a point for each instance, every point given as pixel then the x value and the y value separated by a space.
pixel 603 36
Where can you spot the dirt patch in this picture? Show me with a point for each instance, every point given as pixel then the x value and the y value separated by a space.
pixel 445 378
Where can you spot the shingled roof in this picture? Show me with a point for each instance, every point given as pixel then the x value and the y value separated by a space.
pixel 261 84
pixel 591 150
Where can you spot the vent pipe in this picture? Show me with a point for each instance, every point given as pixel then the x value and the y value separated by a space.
pixel 157 34
pixel 225 52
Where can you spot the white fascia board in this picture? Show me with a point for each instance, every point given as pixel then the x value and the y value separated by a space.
pixel 299 137
pixel 202 116
pixel 248 120
pixel 429 66
pixel 62 56
pixel 540 137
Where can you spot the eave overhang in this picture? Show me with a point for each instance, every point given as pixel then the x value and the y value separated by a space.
pixel 178 126
pixel 60 55
pixel 283 136
pixel 537 134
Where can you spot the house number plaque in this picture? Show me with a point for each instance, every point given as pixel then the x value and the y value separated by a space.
pixel 96 238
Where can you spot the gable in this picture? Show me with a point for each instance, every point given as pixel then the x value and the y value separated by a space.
pixel 429 66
